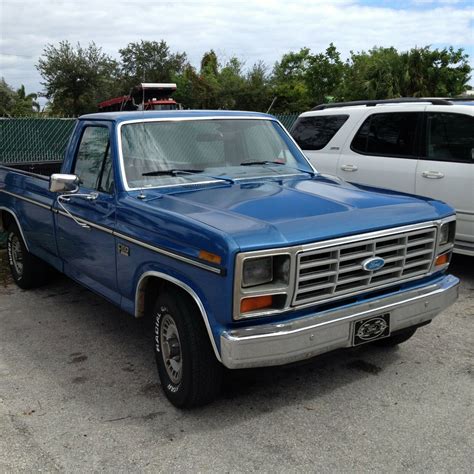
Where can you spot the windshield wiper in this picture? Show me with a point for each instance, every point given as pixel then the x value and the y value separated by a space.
pixel 172 172
pixel 266 162
pixel 178 171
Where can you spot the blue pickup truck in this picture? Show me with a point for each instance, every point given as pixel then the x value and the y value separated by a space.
pixel 216 227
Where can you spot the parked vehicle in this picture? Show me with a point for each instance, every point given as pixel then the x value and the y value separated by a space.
pixel 145 96
pixel 216 227
pixel 418 146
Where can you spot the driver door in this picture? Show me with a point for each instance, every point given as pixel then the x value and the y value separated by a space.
pixel 85 223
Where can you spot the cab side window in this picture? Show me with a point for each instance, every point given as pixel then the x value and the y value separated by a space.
pixel 93 161
pixel 450 137
pixel 389 134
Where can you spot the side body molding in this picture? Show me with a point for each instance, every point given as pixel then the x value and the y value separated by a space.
pixel 12 213
pixel 140 301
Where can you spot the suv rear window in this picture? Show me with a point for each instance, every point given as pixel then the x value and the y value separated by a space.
pixel 389 134
pixel 314 133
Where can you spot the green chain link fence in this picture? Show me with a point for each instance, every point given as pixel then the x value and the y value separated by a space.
pixel 27 140
pixel 287 120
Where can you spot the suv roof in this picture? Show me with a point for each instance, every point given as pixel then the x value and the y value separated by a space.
pixel 366 107
pixel 372 103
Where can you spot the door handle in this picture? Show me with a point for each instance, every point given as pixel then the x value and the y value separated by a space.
pixel 349 168
pixel 432 174
pixel 92 196
pixel 61 199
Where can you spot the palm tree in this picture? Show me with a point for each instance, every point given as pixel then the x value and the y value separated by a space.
pixel 25 104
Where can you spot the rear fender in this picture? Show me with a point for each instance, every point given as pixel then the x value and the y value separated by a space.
pixel 6 217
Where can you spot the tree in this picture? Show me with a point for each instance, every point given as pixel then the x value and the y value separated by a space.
pixel 289 84
pixel 190 90
pixel 324 75
pixel 231 85
pixel 16 103
pixel 257 90
pixel 435 72
pixel 77 78
pixel 7 98
pixel 210 81
pixel 384 73
pixel 376 74
pixel 25 104
pixel 149 61
pixel 209 64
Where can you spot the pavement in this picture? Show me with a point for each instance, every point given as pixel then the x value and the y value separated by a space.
pixel 79 392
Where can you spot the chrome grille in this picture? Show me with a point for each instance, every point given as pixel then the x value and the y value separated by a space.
pixel 335 271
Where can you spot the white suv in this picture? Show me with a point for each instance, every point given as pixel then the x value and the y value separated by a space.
pixel 418 146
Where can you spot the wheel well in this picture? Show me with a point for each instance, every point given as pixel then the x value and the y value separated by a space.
pixel 152 283
pixel 6 218
pixel 149 288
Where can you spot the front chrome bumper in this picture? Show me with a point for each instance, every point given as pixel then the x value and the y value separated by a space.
pixel 282 343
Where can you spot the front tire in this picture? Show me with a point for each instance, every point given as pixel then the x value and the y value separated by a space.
pixel 27 270
pixel 189 372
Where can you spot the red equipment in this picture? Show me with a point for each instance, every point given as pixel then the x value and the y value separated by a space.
pixel 145 96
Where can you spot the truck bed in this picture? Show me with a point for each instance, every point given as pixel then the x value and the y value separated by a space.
pixel 41 169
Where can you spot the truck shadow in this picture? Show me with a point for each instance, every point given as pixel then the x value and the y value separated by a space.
pixel 462 266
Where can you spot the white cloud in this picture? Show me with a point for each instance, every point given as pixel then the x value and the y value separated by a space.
pixel 441 2
pixel 251 30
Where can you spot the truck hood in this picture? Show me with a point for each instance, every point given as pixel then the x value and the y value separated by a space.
pixel 270 214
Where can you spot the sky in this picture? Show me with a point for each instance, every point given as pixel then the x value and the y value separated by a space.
pixel 251 30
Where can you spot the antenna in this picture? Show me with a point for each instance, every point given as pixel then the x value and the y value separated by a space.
pixel 271 105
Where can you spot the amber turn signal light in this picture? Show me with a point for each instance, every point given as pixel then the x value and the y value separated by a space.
pixel 442 259
pixel 256 302
pixel 210 257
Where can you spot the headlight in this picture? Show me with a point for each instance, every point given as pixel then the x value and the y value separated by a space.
pixel 257 271
pixel 262 283
pixel 444 234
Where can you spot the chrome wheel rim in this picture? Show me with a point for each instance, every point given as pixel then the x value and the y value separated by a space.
pixel 16 255
pixel 171 349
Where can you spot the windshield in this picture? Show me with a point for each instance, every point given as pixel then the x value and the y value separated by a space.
pixel 204 149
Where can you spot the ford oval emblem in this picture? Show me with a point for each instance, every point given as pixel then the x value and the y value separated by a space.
pixel 372 329
pixel 372 264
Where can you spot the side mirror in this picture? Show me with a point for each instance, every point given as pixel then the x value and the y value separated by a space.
pixel 64 183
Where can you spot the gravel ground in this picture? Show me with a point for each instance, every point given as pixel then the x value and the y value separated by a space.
pixel 79 393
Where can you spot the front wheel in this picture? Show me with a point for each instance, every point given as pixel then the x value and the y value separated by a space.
pixel 189 372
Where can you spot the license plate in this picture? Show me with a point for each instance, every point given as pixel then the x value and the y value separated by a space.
pixel 371 329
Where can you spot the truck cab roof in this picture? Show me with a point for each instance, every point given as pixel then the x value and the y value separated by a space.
pixel 171 114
